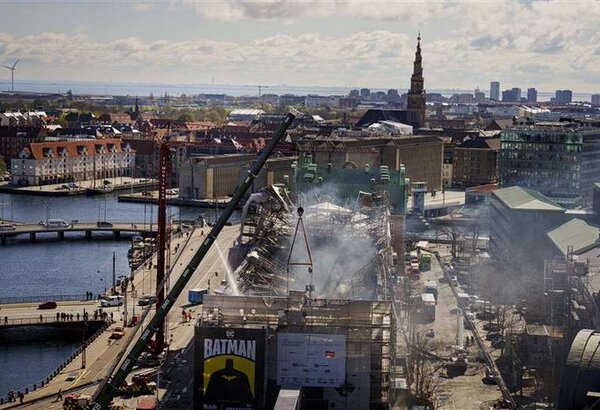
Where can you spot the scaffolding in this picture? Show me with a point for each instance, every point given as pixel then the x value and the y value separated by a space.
pixel 367 325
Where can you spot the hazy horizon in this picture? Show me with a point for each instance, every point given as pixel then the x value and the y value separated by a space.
pixel 144 89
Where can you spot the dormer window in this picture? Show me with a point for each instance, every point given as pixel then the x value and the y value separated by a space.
pixel 62 151
pixel 48 152
pixel 82 150
pixel 112 147
pixel 100 149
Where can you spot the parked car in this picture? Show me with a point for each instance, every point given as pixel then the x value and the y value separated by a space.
pixel 111 301
pixel 148 360
pixel 146 300
pixel 7 227
pixel 104 224
pixel 50 304
pixel 118 333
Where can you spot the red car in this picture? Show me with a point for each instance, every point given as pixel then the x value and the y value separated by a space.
pixel 47 305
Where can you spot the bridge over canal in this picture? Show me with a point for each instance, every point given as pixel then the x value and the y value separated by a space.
pixel 88 228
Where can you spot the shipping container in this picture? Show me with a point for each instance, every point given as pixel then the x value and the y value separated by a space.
pixel 428 306
pixel 425 261
pixel 196 296
pixel 431 287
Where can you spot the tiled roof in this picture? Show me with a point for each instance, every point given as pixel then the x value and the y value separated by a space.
pixel 37 150
pixel 481 143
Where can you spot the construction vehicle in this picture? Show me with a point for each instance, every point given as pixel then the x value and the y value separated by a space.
pixel 109 388
pixel 83 402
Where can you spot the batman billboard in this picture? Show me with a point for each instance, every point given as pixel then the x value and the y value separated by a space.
pixel 229 368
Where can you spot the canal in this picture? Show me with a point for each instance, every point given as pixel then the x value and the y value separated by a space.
pixel 74 266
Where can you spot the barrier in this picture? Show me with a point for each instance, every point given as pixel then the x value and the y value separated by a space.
pixel 43 298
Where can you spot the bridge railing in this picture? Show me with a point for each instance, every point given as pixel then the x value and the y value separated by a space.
pixel 41 298
pixel 41 319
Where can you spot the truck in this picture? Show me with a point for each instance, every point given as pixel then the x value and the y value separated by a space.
pixel 463 300
pixel 415 272
pixel 431 287
pixel 428 306
pixel 196 296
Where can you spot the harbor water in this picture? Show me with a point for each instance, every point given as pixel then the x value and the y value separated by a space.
pixel 73 266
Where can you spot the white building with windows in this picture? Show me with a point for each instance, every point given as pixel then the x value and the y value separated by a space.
pixel 56 162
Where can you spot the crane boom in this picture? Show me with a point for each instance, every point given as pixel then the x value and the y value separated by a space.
pixel 109 388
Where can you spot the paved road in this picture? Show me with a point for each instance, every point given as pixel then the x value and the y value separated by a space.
pixel 465 391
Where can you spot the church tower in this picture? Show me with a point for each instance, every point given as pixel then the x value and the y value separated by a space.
pixel 415 108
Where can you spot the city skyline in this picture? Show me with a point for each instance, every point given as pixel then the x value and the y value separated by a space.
pixel 309 43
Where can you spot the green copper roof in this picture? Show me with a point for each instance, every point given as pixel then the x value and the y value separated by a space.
pixel 527 199
pixel 576 233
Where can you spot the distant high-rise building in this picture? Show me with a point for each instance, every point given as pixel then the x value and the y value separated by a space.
pixel 531 95
pixel 495 90
pixel 354 93
pixel 516 94
pixel 479 95
pixel 415 108
pixel 365 92
pixel 513 95
pixel 563 96
pixel 596 99
pixel 392 95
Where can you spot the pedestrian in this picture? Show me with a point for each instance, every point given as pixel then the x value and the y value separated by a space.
pixel 11 396
pixel 41 318
pixel 71 316
pixel 59 395
pixel 189 316
pixel 21 397
pixel 111 317
pixel 6 320
pixel 57 316
pixel 77 316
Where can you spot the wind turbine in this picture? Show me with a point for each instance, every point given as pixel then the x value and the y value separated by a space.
pixel 12 73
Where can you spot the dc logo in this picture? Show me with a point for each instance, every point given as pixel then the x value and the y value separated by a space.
pixel 230 333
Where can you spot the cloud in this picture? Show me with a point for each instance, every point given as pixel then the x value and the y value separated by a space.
pixel 283 58
pixel 235 10
pixel 464 44
pixel 142 5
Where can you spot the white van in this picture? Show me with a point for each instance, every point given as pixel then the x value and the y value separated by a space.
pixel 111 301
pixel 56 223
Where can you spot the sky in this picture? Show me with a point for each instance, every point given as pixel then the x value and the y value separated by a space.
pixel 544 44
